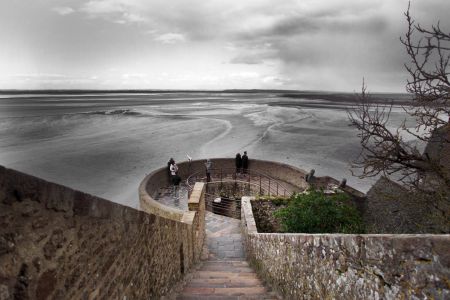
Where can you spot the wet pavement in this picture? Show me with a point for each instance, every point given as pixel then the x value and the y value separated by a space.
pixel 174 198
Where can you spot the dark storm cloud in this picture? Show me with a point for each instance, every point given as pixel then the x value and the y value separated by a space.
pixel 301 42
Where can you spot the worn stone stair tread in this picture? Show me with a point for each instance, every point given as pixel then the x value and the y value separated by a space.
pixel 221 274
pixel 227 268
pixel 229 291
pixel 225 282
pixel 230 261
pixel 219 297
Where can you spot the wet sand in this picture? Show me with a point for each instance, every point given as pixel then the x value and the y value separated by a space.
pixel 106 148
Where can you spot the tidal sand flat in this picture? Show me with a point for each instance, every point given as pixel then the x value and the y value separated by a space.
pixel 105 143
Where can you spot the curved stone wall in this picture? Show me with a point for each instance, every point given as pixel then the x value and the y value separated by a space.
pixel 348 266
pixel 276 170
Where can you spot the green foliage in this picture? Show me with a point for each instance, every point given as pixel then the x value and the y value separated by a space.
pixel 316 212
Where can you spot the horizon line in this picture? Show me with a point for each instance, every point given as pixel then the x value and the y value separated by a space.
pixel 19 91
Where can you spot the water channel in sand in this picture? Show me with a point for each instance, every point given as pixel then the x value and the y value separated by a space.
pixel 104 144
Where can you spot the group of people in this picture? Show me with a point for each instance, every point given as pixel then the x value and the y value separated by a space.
pixel 172 170
pixel 241 163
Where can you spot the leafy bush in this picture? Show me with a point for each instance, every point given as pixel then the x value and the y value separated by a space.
pixel 316 212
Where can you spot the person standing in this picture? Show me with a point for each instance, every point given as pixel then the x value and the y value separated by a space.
pixel 208 166
pixel 169 174
pixel 244 163
pixel 173 170
pixel 238 162
pixel 176 188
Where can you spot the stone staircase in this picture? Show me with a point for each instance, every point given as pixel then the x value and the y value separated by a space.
pixel 224 273
pixel 225 279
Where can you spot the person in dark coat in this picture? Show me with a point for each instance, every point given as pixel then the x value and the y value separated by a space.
pixel 238 162
pixel 245 162
pixel 208 166
pixel 176 186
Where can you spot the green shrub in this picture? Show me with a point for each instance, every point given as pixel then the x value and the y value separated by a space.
pixel 316 212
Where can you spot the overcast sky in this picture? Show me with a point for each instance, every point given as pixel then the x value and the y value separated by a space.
pixel 208 44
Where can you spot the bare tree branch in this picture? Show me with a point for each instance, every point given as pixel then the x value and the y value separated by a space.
pixel 385 151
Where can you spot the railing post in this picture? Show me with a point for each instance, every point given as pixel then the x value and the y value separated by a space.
pixel 260 190
pixel 269 186
pixel 277 188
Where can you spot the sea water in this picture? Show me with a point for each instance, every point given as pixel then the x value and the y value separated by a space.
pixel 105 143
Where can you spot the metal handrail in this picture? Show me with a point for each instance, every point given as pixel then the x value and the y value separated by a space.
pixel 250 173
pixel 237 181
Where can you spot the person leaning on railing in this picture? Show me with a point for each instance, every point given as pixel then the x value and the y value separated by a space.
pixel 208 166
pixel 244 163
pixel 238 163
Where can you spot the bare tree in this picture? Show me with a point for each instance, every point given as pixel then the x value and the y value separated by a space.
pixel 386 151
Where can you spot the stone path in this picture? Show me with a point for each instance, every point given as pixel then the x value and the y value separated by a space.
pixel 225 274
pixel 223 238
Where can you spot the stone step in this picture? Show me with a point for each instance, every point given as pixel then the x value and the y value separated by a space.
pixel 225 266
pixel 222 274
pixel 227 297
pixel 232 291
pixel 225 280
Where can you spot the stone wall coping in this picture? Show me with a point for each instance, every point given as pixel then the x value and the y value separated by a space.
pixel 188 217
pixel 196 192
pixel 248 218
pixel 195 198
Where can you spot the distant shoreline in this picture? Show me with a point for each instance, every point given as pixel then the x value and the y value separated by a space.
pixel 334 97
pixel 283 93
pixel 382 98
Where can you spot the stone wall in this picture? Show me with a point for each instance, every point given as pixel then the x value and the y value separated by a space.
pixel 390 208
pixel 340 266
pixel 58 243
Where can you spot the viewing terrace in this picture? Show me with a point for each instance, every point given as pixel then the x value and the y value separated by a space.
pixel 227 186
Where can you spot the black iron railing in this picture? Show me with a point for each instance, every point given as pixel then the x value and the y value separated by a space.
pixel 266 185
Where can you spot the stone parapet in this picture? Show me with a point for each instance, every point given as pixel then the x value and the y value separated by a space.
pixel 197 196
pixel 346 266
pixel 59 243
